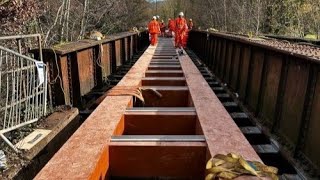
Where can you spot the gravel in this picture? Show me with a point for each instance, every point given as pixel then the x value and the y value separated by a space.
pixel 311 51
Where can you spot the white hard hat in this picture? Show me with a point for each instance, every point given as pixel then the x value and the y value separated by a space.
pixel 154 17
pixel 181 14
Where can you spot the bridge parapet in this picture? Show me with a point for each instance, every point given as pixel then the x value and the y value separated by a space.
pixel 277 82
pixel 76 68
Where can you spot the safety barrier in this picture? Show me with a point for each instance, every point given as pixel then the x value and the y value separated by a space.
pixel 23 91
pixel 280 88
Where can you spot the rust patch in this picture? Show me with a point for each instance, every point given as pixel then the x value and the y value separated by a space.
pixel 85 63
pixel 213 117
pixel 255 79
pixel 185 160
pixel 118 53
pixel 274 65
pixel 312 143
pixel 105 60
pixel 294 97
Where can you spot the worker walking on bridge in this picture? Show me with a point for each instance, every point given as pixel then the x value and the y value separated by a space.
pixel 154 30
pixel 186 34
pixel 162 28
pixel 181 27
pixel 171 26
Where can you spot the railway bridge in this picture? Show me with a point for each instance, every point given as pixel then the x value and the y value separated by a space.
pixel 149 113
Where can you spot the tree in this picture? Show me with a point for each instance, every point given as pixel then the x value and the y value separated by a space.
pixel 69 20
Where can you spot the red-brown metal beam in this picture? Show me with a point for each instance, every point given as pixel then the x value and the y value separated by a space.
pixel 184 160
pixel 160 121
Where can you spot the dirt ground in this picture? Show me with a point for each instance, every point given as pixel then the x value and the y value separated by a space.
pixel 16 161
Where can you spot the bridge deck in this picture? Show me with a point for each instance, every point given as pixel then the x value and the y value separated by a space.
pixel 189 124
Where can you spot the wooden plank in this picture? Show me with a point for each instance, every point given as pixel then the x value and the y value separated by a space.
pixel 32 139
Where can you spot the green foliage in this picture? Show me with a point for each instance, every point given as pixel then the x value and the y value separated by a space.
pixel 311 36
pixel 285 17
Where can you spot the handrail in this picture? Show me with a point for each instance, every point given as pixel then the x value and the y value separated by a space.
pixel 17 54
pixel 20 36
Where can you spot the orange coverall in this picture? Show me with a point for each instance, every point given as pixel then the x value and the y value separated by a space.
pixel 171 25
pixel 181 27
pixel 154 30
pixel 162 28
pixel 186 36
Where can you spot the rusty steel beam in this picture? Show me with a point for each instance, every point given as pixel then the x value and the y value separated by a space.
pixel 169 158
pixel 103 122
pixel 76 68
pixel 246 41
pixel 214 116
pixel 164 67
pixel 279 87
pixel 192 112
pixel 163 81
pixel 164 73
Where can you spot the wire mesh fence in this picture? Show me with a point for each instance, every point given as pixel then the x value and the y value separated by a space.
pixel 23 90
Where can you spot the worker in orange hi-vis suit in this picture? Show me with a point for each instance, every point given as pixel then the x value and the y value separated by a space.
pixel 181 27
pixel 186 36
pixel 162 28
pixel 171 26
pixel 154 30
